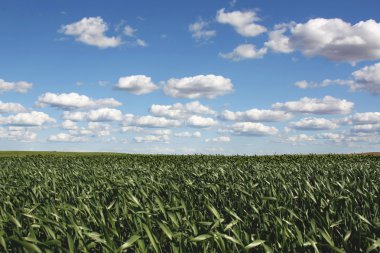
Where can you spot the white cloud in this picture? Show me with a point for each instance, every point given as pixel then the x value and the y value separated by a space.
pixel 196 134
pixel 252 129
pixel 20 87
pixel 131 128
pixel 338 40
pixel 137 84
pixel 278 42
pixel 199 30
pixel 302 84
pixel 33 118
pixel 360 136
pixel 180 111
pixel 334 137
pixel 11 107
pixel 91 31
pixel 72 101
pixel 219 139
pixel 129 31
pixel 242 21
pixel 158 131
pixel 365 79
pixel 147 131
pixel 105 114
pixel 74 116
pixel 209 86
pixel 255 115
pixel 22 134
pixel 93 129
pixel 99 129
pixel 197 107
pixel 313 124
pixel 333 39
pixel 243 52
pixel 300 138
pixel 141 43
pixel 101 114
pixel 151 138
pixel 368 78
pixel 150 121
pixel 198 121
pixel 69 125
pixel 326 105
pixel 367 128
pixel 64 137
pixel 366 118
pixel 327 82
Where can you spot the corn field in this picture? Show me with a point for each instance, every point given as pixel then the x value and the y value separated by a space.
pixel 158 203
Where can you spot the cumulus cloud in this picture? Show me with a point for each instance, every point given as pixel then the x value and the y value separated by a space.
pixel 180 111
pixel 365 79
pixel 65 137
pixel 366 118
pixel 20 87
pixel 137 84
pixel 141 43
pixel 101 114
pixel 73 116
pixel 333 137
pixel 327 82
pixel 208 86
pixel 242 21
pixel 105 114
pixel 129 31
pixel 279 42
pixel 91 31
pixel 73 101
pixel 326 105
pixel 219 139
pixel 33 118
pixel 255 115
pixel 350 138
pixel 200 32
pixel 201 122
pixel 151 138
pixel 150 121
pixel 313 124
pixel 128 128
pixel 99 128
pixel 158 131
pixel 300 138
pixel 368 78
pixel 69 125
pixel 11 107
pixel 338 40
pixel 243 52
pixel 13 133
pixel 366 128
pixel 197 107
pixel 93 129
pixel 334 39
pixel 252 129
pixel 196 134
pixel 146 131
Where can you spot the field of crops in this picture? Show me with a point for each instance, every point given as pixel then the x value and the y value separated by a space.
pixel 147 203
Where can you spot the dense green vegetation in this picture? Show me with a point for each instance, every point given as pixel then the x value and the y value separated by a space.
pixel 147 203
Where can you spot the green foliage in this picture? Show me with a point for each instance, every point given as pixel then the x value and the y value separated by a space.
pixel 150 203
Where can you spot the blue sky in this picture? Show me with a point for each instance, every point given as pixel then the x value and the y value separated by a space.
pixel 229 77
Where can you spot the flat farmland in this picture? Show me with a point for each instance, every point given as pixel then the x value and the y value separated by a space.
pixel 71 202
